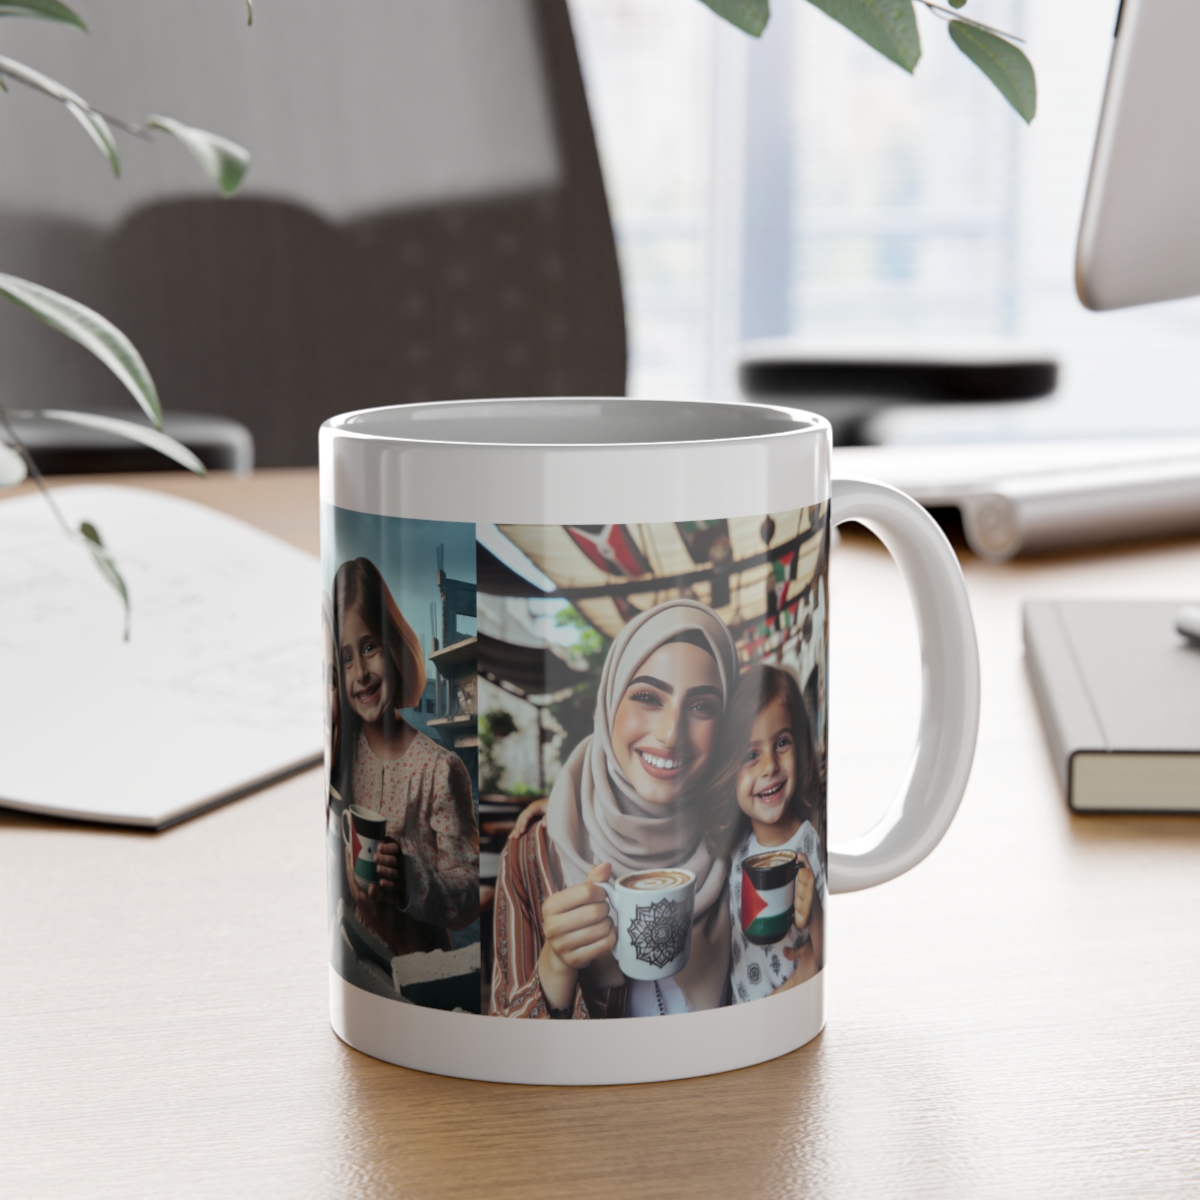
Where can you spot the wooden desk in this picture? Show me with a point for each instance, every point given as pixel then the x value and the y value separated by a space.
pixel 1019 1016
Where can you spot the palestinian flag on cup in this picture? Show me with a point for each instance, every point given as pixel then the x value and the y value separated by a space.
pixel 768 894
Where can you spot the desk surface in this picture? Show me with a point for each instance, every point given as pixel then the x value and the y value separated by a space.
pixel 1019 1015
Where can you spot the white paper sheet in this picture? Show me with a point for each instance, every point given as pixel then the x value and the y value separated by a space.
pixel 216 691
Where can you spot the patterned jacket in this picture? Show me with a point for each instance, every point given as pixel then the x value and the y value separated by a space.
pixel 529 872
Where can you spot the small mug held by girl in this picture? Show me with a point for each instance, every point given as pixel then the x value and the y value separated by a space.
pixel 428 864
pixel 767 795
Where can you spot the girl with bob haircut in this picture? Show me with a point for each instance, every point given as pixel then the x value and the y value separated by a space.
pixel 767 794
pixel 428 862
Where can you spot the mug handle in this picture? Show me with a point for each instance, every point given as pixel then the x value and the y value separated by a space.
pixel 346 825
pixel 941 763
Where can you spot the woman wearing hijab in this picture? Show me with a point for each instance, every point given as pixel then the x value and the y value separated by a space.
pixel 625 801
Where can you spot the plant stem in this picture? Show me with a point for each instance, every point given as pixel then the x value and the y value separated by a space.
pixel 36 476
pixel 949 13
pixel 86 535
pixel 140 131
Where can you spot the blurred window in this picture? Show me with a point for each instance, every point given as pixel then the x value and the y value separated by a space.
pixel 802 184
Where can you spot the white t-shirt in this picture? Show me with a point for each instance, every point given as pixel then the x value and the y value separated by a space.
pixel 756 971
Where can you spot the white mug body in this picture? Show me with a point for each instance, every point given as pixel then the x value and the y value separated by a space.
pixel 531 518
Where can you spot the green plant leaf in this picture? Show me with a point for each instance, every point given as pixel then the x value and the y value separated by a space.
pixel 103 559
pixel 751 16
pixel 49 10
pixel 1002 62
pixel 250 11
pixel 94 333
pixel 13 467
pixel 154 438
pixel 958 3
pixel 225 162
pixel 889 26
pixel 95 125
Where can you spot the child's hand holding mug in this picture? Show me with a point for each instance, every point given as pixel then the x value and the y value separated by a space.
pixel 374 864
pixel 807 913
pixel 377 905
pixel 389 866
pixel 809 956
pixel 388 891
pixel 578 929
pixel 805 885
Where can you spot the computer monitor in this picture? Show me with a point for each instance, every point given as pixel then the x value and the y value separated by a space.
pixel 1139 240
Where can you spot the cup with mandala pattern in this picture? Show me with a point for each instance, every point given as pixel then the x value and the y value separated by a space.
pixel 652 911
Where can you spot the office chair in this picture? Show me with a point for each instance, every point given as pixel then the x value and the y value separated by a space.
pixel 424 219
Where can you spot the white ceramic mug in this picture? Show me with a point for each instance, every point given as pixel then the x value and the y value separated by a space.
pixel 687 543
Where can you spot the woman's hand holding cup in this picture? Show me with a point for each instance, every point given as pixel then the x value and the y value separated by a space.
pixel 578 929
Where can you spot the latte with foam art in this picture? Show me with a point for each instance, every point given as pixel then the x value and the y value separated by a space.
pixel 772 858
pixel 654 881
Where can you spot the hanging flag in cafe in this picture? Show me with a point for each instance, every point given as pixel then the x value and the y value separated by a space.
pixel 610 573
pixel 706 541
pixel 783 572
pixel 611 548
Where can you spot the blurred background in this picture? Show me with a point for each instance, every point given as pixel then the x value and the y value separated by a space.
pixel 532 197
pixel 803 185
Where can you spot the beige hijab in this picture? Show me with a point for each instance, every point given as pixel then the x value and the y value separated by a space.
pixel 595 815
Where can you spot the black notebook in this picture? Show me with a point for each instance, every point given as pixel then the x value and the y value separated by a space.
pixel 1119 692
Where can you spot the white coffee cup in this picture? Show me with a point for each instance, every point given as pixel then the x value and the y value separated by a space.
pixel 576 466
pixel 652 911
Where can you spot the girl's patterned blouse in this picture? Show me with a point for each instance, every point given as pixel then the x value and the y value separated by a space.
pixel 425 796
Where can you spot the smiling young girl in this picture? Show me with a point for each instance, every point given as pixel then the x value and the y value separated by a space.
pixel 767 764
pixel 625 800
pixel 428 864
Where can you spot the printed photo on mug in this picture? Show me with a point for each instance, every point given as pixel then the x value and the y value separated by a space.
pixel 401 746
pixel 596 786
pixel 652 763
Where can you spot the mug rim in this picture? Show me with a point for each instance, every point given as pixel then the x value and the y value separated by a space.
pixel 796 422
